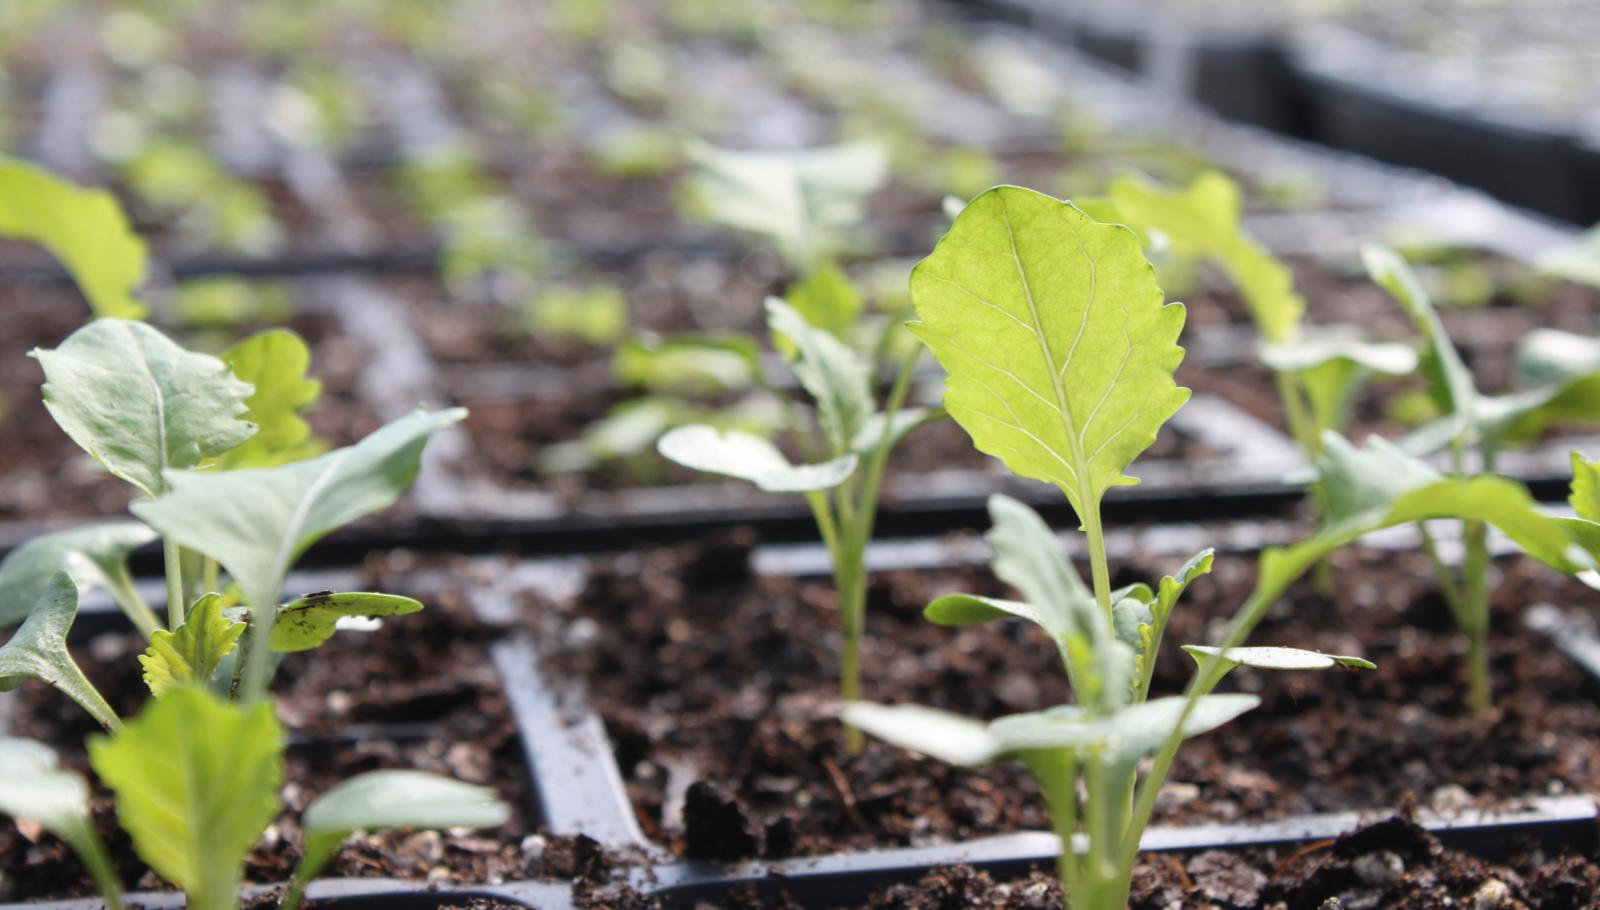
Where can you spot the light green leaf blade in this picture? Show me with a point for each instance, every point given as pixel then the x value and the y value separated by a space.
pixel 1585 498
pixel 308 622
pixel 1028 557
pixel 256 522
pixel 85 229
pixel 971 609
pixel 141 404
pixel 38 650
pixel 274 362
pixel 1278 658
pixel 1577 260
pixel 937 734
pixel 800 200
pixel 1545 356
pixel 748 457
pixel 1059 350
pixel 1127 735
pixel 835 376
pixel 1448 378
pixel 190 654
pixel 870 435
pixel 403 799
pixel 36 788
pixel 95 556
pixel 196 780
pixel 696 363
pixel 1314 346
pixel 1203 220
pixel 828 299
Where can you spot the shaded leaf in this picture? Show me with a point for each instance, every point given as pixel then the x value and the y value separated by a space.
pixel 870 435
pixel 308 622
pixel 38 650
pixel 835 376
pixel 274 362
pixel 1059 350
pixel 196 780
pixel 696 363
pixel 191 653
pixel 84 228
pixel 971 609
pixel 141 404
pixel 36 788
pixel 95 556
pixel 1448 379
pixel 828 299
pixel 737 454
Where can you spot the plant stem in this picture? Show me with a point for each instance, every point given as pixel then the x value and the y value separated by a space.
pixel 122 590
pixel 92 852
pixel 1475 615
pixel 1301 427
pixel 174 564
pixel 210 576
pixel 1098 569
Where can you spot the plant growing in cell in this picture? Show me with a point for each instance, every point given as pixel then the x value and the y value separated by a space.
pixel 1060 356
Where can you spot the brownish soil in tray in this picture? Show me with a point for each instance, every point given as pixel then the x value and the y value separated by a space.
pixel 1393 865
pixel 429 672
pixel 717 690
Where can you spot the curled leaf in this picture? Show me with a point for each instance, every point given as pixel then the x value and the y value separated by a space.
pixel 308 622
pixel 191 653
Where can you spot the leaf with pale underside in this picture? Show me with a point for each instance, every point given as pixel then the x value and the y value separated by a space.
pixel 257 522
pixel 190 654
pixel 868 438
pixel 196 779
pixel 38 650
pixel 1332 363
pixel 274 362
pixel 1278 658
pixel 835 376
pixel 1058 348
pixel 305 623
pixel 35 788
pixel 1203 220
pixel 84 228
pixel 1449 381
pixel 139 403
pixel 96 556
pixel 733 453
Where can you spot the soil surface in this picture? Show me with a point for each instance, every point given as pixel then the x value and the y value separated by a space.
pixel 421 692
pixel 717 688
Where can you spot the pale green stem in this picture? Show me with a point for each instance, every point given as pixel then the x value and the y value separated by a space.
pixel 259 663
pixel 210 576
pixel 174 562
pixel 1475 615
pixel 92 852
pixel 122 590
pixel 1098 568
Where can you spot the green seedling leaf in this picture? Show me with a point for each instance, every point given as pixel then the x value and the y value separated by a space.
pixel 38 650
pixel 633 427
pixel 85 229
pixel 1277 658
pixel 688 364
pixel 1448 379
pixel 274 363
pixel 95 556
pixel 733 453
pixel 1203 220
pixel 389 799
pixel 139 403
pixel 35 788
pixel 1332 363
pixel 937 734
pixel 196 780
pixel 1585 498
pixel 192 653
pixel 833 374
pixel 971 609
pixel 1151 625
pixel 1548 356
pixel 870 436
pixel 799 200
pixel 308 622
pixel 1578 260
pixel 257 522
pixel 1059 351
pixel 828 299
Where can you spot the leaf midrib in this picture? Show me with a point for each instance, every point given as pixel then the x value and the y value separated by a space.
pixel 161 407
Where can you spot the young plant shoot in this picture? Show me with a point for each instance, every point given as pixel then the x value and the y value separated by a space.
pixel 1060 356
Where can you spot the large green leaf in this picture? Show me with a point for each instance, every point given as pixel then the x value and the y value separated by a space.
pixel 835 376
pixel 1059 350
pixel 274 362
pixel 96 556
pixel 256 522
pixel 738 454
pixel 305 623
pixel 800 200
pixel 36 788
pixel 190 654
pixel 1203 221
pixel 38 650
pixel 139 403
pixel 196 780
pixel 85 229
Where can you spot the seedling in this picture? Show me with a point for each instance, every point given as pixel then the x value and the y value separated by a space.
pixel 1060 357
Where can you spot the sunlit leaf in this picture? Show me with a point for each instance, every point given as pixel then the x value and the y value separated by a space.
pixel 694 363
pixel 274 362
pixel 190 654
pixel 305 623
pixel 737 454
pixel 835 376
pixel 96 556
pixel 1278 658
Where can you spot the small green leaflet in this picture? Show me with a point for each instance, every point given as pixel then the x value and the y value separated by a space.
pixel 173 408
pixel 1332 363
pixel 1278 658
pixel 835 376
pixel 85 229
pixel 800 200
pixel 747 457
pixel 696 363
pixel 1585 498
pixel 828 299
pixel 1059 350
pixel 1203 220
pixel 274 362
pixel 1450 382
pixel 191 654
pixel 96 556
pixel 35 788
pixel 308 622
pixel 196 779
pixel 38 650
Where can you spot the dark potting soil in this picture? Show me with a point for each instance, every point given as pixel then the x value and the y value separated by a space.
pixel 718 688
pixel 418 693
pixel 1392 864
